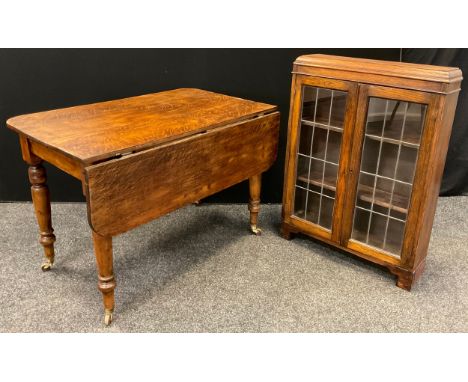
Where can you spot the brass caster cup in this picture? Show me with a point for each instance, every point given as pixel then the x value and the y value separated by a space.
pixel 108 317
pixel 46 266
pixel 255 230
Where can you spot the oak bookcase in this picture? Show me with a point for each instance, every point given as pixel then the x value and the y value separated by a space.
pixel 367 142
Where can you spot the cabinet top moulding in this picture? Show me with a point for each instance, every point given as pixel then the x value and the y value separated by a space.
pixel 428 78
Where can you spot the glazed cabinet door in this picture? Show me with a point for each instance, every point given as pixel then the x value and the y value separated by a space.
pixel 319 130
pixel 391 141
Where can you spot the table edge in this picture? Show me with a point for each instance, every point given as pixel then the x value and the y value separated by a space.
pixel 85 161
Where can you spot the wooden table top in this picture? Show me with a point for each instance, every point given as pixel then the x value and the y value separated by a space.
pixel 102 130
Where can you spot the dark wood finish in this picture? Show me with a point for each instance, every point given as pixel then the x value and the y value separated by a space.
pixel 436 87
pixel 175 174
pixel 142 157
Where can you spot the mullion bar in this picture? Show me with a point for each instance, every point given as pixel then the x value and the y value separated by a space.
pixel 325 157
pixel 392 141
pixel 386 177
pixel 315 192
pixel 310 152
pixel 377 171
pixel 395 174
pixel 377 213
pixel 322 125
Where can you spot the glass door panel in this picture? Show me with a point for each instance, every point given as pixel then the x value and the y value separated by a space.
pixel 318 154
pixel 390 151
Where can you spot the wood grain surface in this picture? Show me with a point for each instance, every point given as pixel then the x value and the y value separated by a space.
pixel 132 190
pixel 99 131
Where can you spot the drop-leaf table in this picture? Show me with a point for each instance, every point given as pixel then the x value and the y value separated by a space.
pixel 141 157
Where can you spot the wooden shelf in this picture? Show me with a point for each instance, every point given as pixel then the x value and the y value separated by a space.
pixel 392 134
pixel 316 180
pixel 381 198
pixel 322 125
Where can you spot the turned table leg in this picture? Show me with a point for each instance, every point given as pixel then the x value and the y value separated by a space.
pixel 106 282
pixel 41 201
pixel 255 184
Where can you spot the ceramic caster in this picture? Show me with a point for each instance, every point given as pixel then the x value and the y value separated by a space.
pixel 108 317
pixel 255 230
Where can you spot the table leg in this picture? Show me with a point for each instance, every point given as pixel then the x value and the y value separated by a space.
pixel 106 282
pixel 41 201
pixel 255 183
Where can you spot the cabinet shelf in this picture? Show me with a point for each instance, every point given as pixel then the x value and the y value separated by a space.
pixel 322 124
pixel 329 182
pixel 381 197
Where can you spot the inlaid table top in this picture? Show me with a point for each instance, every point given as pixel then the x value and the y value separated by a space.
pixel 98 131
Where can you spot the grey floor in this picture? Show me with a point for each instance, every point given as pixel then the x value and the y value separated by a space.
pixel 199 270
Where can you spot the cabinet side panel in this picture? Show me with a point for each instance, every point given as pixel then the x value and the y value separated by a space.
pixel 289 165
pixel 135 189
pixel 435 171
